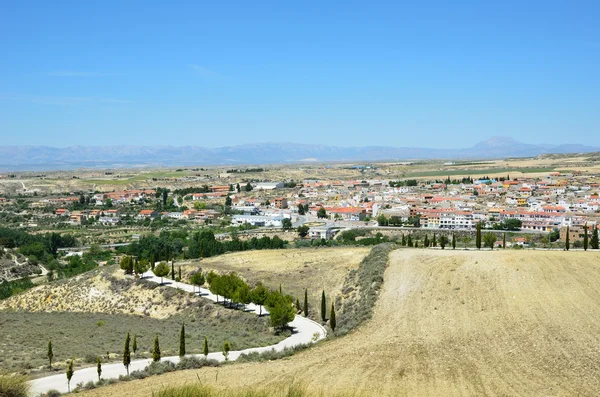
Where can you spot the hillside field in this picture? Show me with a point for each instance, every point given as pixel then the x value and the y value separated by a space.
pixel 449 323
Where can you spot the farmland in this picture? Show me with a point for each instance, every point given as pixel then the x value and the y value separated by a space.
pixel 450 323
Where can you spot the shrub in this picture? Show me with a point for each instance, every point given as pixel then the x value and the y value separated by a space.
pixel 13 386
pixel 365 284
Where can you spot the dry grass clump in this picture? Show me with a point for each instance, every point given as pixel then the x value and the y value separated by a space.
pixel 282 390
pixel 13 386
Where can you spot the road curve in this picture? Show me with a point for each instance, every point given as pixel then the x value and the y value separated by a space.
pixel 304 331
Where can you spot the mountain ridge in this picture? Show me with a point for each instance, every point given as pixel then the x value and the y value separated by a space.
pixel 21 158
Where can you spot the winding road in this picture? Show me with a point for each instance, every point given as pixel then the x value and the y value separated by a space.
pixel 304 331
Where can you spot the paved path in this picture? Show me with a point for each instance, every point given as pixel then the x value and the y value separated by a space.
pixel 304 331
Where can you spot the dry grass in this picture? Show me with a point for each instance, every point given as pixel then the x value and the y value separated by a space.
pixel 316 269
pixel 450 324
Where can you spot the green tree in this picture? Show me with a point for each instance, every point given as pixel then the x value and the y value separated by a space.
pixel 332 322
pixel 305 302
pixel 478 236
pixel 321 213
pixel 443 241
pixel 286 224
pixel 301 210
pixel 99 367
pixel 258 296
pixel 141 266
pixel 127 354
pixel 567 241
pixel 403 242
pixel 134 345
pixel 503 240
pixel 70 372
pixel 426 241
pixel 156 350
pixel 453 241
pixel 249 187
pixel 281 309
pixel 50 354
pixel 489 240
pixel 434 241
pixel 182 341
pixel 303 231
pixel 585 238
pixel 409 241
pixel 179 273
pixel 323 307
pixel 238 188
pixel 228 201
pixel 226 349
pixel 594 243
pixel 197 279
pixel 173 270
pixel 127 264
pixel 161 270
pixel 205 350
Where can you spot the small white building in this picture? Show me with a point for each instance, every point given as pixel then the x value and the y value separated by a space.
pixel 257 220
pixel 321 232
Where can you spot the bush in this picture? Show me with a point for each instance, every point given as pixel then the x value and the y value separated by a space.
pixel 195 363
pixel 52 393
pixel 13 386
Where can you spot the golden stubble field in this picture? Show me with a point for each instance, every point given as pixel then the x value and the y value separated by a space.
pixel 450 323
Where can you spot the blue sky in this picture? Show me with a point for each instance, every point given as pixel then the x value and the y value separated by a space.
pixel 433 74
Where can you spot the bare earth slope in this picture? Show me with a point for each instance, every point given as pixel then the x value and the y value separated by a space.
pixel 452 323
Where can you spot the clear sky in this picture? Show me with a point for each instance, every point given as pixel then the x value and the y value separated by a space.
pixel 219 73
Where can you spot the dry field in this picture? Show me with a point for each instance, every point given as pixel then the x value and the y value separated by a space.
pixel 316 269
pixel 450 323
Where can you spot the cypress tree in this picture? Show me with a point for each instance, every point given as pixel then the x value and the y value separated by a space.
pixel 332 318
pixel 152 262
pixel 305 302
pixel 504 241
pixel 173 270
pixel 323 307
pixel 134 346
pixel 156 350
pixel 226 349
pixel 426 241
pixel 403 240
pixel 70 373
pixel 298 306
pixel 182 341
pixel 434 243
pixel 585 238
pixel 50 354
pixel 180 278
pixel 409 242
pixel 205 350
pixel 453 241
pixel 127 354
pixel 478 236
pixel 99 367
pixel 594 243
pixel 567 242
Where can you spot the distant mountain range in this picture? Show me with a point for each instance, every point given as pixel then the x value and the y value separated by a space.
pixel 22 158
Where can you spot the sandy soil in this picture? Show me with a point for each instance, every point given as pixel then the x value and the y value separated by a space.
pixel 451 323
